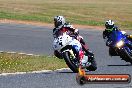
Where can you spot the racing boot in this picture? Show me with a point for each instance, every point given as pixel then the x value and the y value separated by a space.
pixel 90 55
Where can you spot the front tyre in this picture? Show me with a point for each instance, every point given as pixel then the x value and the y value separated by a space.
pixel 70 61
pixel 128 57
pixel 112 52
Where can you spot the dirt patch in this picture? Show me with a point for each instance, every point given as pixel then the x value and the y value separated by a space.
pixel 48 24
pixel 89 27
pixel 25 22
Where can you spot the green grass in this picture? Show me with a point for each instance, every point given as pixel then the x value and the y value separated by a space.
pixel 84 12
pixel 23 63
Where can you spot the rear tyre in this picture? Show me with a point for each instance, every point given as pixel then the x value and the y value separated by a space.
pixel 93 65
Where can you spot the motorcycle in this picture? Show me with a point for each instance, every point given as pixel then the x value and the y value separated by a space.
pixel 119 45
pixel 71 51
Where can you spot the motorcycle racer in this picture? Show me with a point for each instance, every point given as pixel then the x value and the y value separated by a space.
pixel 62 26
pixel 109 28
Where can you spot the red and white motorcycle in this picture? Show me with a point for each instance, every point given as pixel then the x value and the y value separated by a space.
pixel 71 50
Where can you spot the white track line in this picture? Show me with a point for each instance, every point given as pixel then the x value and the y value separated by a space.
pixel 42 71
pixel 19 53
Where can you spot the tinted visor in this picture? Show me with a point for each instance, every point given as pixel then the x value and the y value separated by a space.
pixel 109 26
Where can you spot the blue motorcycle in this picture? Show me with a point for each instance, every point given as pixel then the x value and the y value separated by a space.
pixel 119 45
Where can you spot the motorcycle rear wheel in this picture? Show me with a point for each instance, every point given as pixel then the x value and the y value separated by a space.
pixel 93 65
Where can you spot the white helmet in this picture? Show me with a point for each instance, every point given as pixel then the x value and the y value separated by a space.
pixel 59 20
pixel 109 24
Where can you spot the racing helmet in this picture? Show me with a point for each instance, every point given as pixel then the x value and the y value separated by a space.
pixel 109 24
pixel 59 20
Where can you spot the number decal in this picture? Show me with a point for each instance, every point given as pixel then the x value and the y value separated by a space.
pixel 60 44
pixel 59 41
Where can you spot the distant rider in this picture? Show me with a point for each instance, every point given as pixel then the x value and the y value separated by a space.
pixel 61 25
pixel 109 27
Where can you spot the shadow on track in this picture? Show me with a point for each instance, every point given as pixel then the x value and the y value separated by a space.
pixel 70 72
pixel 66 72
pixel 121 65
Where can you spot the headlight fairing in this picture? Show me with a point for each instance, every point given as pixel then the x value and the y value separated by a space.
pixel 120 43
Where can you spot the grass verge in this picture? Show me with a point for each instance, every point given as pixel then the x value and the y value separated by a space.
pixel 24 63
pixel 84 12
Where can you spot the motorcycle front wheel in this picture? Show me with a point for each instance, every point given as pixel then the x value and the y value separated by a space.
pixel 127 56
pixel 71 62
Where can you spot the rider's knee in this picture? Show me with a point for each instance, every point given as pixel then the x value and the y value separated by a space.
pixel 58 54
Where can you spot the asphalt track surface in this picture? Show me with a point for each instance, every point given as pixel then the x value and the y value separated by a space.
pixel 38 40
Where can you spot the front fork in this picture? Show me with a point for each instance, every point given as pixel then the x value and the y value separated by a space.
pixel 72 54
pixel 80 57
